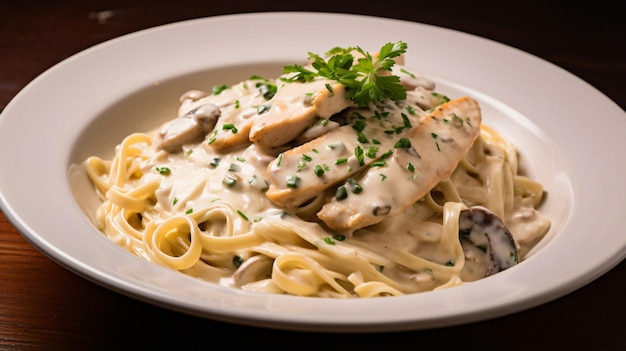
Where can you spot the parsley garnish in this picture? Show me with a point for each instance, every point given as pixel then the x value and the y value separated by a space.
pixel 217 89
pixel 292 181
pixel 364 85
pixel 231 127
pixel 242 215
pixel 404 143
pixel 163 170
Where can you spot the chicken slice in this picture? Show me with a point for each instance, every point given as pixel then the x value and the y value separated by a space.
pixel 293 177
pixel 339 152
pixel 294 108
pixel 430 152
pixel 239 105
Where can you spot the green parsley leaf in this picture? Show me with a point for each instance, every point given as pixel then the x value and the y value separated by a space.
pixel 363 79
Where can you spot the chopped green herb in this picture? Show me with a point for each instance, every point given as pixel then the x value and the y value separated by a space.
pixel 359 125
pixel 261 109
pixel 354 186
pixel 231 127
pixel 189 211
pixel 341 193
pixel 242 215
pixel 215 162
pixel 329 88
pixel 328 240
pixel 319 170
pixel 358 152
pixel 213 137
pixel 267 90
pixel 217 89
pixel 292 181
pixel 253 180
pixel 410 110
pixel 378 163
pixel 279 160
pixel 434 135
pixel 163 170
pixel 404 143
pixel 457 118
pixel 362 138
pixel 410 74
pixel 256 77
pixel 372 151
pixel 302 165
pixel 406 121
pixel 229 179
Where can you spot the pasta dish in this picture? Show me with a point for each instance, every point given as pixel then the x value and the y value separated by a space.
pixel 350 176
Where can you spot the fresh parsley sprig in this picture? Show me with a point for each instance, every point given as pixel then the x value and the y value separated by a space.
pixel 365 81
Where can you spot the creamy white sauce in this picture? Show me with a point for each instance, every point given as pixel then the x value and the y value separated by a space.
pixel 291 190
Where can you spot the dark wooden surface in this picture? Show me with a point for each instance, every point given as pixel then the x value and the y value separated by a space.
pixel 45 306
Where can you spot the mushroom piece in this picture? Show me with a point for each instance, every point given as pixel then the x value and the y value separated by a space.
pixel 192 126
pixel 253 269
pixel 488 244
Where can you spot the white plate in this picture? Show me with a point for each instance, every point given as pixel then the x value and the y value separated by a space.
pixel 569 134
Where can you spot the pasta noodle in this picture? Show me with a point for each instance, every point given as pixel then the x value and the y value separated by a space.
pixel 292 187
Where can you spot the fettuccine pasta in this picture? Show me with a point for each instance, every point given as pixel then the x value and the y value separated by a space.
pixel 299 186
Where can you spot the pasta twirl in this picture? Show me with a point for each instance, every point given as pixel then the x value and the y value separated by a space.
pixel 320 184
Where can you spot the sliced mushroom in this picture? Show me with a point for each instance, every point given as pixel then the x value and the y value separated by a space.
pixel 192 126
pixel 253 269
pixel 488 244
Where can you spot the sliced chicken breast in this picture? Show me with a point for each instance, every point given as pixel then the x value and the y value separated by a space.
pixel 429 154
pixel 294 108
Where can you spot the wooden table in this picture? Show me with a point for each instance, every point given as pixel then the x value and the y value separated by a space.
pixel 45 306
